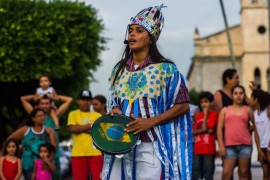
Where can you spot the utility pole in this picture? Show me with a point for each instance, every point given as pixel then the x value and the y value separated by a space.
pixel 268 75
pixel 228 33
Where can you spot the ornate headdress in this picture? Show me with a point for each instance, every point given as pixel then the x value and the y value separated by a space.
pixel 151 19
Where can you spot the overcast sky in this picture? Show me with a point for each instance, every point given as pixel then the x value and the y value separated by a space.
pixel 176 40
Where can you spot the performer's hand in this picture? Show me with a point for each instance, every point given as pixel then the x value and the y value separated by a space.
pixel 139 125
pixel 115 110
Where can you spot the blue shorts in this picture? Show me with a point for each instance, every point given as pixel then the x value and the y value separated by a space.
pixel 238 151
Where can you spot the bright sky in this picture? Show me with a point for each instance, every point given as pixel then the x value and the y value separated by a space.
pixel 176 40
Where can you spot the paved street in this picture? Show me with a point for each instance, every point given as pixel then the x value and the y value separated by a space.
pixel 256 172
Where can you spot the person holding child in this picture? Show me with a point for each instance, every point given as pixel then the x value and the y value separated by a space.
pixel 44 166
pixel 204 130
pixel 10 163
pixel 45 104
pixel 32 135
pixel 46 89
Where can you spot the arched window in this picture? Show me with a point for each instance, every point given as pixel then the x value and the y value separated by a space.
pixel 257 77
pixel 268 79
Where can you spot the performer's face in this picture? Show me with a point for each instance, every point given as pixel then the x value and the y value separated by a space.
pixel 138 38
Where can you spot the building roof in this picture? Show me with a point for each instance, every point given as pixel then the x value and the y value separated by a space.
pixel 215 46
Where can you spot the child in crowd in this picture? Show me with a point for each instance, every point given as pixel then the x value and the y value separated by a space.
pixel 204 145
pixel 99 104
pixel 10 163
pixel 46 89
pixel 44 167
pixel 260 101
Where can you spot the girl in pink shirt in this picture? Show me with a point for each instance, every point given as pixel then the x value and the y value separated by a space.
pixel 233 135
pixel 44 167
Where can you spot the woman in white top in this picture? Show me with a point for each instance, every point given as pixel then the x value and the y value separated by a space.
pixel 260 101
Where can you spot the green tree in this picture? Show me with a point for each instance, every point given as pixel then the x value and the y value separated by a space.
pixel 61 38
pixel 194 96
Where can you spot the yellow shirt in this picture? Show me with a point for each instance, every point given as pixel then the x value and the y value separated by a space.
pixel 82 142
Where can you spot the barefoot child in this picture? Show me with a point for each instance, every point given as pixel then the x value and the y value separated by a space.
pixel 10 163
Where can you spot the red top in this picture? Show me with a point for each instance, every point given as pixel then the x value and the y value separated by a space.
pixel 205 143
pixel 10 169
pixel 236 128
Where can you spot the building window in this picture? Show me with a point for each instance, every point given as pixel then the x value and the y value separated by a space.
pixel 261 29
pixel 268 80
pixel 257 77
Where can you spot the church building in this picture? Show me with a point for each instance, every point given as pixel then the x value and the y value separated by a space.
pixel 250 44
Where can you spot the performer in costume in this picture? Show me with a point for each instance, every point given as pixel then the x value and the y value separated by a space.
pixel 149 88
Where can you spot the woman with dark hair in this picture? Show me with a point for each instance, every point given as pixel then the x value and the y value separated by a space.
pixel 260 102
pixel 31 136
pixel 99 104
pixel 149 88
pixel 234 138
pixel 223 97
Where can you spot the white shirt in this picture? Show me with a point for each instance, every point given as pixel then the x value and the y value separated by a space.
pixel 262 122
pixel 40 91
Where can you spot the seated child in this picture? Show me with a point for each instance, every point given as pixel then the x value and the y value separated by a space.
pixel 46 89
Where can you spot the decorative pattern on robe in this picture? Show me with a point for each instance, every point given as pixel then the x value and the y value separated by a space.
pixel 160 84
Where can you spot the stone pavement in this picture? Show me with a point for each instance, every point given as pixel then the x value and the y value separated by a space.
pixel 256 172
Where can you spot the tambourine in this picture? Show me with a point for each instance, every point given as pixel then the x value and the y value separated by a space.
pixel 109 136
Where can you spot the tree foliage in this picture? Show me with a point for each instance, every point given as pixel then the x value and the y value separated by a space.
pixel 194 97
pixel 61 38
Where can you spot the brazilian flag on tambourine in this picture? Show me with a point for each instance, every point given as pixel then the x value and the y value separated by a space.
pixel 115 132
